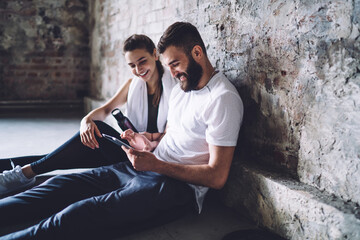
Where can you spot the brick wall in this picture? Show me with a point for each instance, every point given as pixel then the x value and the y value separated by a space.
pixel 44 50
pixel 295 63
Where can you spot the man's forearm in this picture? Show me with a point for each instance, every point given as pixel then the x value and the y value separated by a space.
pixel 203 175
pixel 214 174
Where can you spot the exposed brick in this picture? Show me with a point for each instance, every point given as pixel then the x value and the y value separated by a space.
pixel 32 74
pixel 28 12
pixel 16 67
pixel 42 67
pixel 67 74
pixel 110 53
pixel 9 73
pixel 20 73
pixel 4 60
pixel 38 60
pixel 40 50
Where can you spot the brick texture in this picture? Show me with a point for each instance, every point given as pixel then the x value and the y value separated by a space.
pixel 44 52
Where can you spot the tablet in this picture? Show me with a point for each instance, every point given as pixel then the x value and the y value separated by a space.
pixel 116 141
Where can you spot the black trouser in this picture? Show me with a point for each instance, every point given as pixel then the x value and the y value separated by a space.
pixel 93 204
pixel 5 163
pixel 73 154
pixel 97 204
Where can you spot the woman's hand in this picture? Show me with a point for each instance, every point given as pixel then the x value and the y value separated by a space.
pixel 137 140
pixel 88 129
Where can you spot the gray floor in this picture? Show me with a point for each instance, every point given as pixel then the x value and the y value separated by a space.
pixel 40 134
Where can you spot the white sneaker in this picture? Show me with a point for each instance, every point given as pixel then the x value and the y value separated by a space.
pixel 12 180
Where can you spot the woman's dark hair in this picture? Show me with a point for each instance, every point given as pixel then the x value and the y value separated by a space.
pixel 140 41
pixel 183 35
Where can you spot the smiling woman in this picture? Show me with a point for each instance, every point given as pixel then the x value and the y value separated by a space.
pixel 141 56
pixel 143 65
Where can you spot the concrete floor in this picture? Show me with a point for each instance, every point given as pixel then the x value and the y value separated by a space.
pixel 40 134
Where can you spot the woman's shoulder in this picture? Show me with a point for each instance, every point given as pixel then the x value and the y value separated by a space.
pixel 129 80
pixel 135 82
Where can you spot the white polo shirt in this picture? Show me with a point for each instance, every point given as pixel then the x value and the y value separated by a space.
pixel 211 115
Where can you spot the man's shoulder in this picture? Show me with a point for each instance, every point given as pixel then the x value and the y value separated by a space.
pixel 222 86
pixel 176 89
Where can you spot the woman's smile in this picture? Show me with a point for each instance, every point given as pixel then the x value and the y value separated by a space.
pixel 144 73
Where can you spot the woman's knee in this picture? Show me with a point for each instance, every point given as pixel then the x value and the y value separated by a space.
pixel 105 128
pixel 102 126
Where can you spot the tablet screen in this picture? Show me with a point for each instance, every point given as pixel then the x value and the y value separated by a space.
pixel 116 141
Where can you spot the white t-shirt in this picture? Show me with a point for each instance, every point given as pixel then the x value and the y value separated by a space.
pixel 211 115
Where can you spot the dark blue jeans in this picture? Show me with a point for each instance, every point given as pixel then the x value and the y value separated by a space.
pixel 73 154
pixel 97 204
pixel 21 161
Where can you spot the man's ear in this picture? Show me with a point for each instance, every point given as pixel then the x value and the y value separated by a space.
pixel 197 53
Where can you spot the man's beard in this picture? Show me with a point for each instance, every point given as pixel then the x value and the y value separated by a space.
pixel 193 75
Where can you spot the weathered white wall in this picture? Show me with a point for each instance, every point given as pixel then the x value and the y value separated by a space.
pixel 329 155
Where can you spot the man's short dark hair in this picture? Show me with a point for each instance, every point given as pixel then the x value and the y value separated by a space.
pixel 183 35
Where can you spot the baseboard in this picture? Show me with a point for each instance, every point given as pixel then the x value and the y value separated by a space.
pixel 41 106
